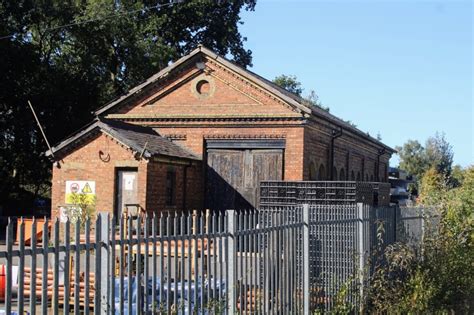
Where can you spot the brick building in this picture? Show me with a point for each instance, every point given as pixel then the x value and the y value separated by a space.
pixel 225 127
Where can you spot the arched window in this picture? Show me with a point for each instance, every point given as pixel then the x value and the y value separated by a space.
pixel 322 172
pixel 342 175
pixel 352 176
pixel 358 177
pixel 312 171
pixel 334 170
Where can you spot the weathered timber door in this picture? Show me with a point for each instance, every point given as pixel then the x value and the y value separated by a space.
pixel 234 175
pixel 126 191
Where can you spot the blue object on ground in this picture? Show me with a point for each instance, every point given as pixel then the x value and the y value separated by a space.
pixel 185 303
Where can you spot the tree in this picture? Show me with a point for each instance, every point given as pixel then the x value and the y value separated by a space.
pixel 439 154
pixel 412 158
pixel 289 83
pixel 292 85
pixel 105 48
pixel 457 176
pixel 441 281
pixel 432 188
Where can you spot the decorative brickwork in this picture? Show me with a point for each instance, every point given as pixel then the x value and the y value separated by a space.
pixel 193 106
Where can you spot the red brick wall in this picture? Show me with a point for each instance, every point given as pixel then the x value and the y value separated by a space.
pixel 84 163
pixel 230 95
pixel 195 141
pixel 187 198
pixel 350 153
pixel 234 108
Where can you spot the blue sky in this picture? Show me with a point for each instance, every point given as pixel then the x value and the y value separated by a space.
pixel 402 68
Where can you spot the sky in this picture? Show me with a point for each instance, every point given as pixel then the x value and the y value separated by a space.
pixel 403 68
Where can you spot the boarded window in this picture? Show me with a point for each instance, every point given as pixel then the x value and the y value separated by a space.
pixel 171 188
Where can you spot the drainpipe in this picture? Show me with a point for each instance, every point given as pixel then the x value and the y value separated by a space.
pixel 377 170
pixel 334 135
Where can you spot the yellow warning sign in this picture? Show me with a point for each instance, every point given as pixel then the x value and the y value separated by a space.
pixel 80 190
pixel 87 189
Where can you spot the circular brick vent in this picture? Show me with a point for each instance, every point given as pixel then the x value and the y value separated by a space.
pixel 203 88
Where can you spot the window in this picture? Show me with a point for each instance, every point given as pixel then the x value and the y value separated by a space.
pixel 342 175
pixel 171 188
pixel 366 177
pixel 334 170
pixel 352 176
pixel 358 177
pixel 371 178
pixel 321 173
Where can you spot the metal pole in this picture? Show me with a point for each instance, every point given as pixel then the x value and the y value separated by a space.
pixel 360 249
pixel 103 244
pixel 306 259
pixel 41 128
pixel 230 261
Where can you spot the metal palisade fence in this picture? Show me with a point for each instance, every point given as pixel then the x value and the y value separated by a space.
pixel 281 260
pixel 197 263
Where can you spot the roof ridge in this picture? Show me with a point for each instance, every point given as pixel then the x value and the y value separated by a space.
pixel 292 99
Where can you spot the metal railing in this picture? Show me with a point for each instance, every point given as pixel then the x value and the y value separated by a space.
pixel 282 260
pixel 246 262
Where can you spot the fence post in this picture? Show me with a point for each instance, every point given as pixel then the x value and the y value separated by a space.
pixel 104 263
pixel 360 248
pixel 306 259
pixel 231 270
pixel 422 240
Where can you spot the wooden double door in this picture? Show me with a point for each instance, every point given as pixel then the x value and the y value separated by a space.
pixel 234 175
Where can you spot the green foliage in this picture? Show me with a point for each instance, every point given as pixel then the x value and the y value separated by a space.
pixel 457 176
pixel 439 154
pixel 81 208
pixel 432 188
pixel 417 159
pixel 440 281
pixel 312 99
pixel 412 158
pixel 292 85
pixel 68 72
pixel 289 83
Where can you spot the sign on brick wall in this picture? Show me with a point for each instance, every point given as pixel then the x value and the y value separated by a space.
pixel 80 189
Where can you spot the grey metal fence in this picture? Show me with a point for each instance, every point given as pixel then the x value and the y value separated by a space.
pixel 281 260
pixel 219 263
pixel 345 241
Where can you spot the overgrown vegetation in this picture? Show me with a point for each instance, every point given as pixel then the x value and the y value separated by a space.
pixel 441 280
pixel 437 154
pixel 292 85
pixel 82 208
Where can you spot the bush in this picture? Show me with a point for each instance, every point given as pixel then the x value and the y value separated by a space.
pixel 442 279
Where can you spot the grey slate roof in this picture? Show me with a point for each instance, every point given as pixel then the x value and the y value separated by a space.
pixel 138 138
pixel 294 100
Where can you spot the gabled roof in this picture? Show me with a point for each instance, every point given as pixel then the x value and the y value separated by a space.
pixel 297 102
pixel 138 138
